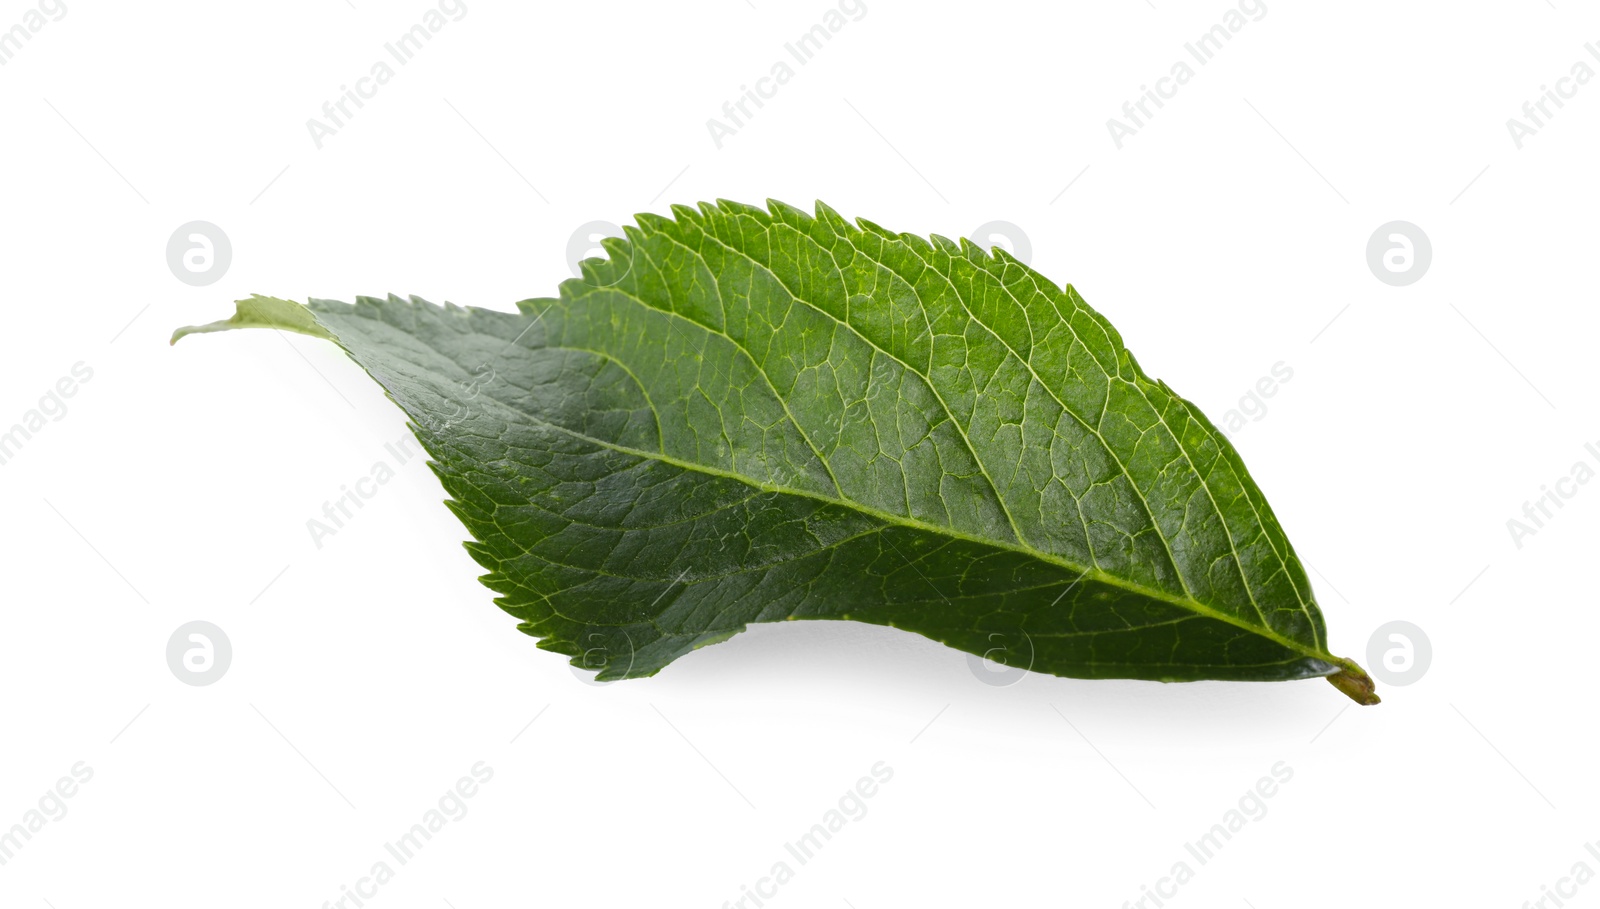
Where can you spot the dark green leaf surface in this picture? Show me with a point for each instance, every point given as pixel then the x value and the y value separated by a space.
pixel 750 415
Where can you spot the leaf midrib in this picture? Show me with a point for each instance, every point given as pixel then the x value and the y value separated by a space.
pixel 1096 574
pixel 1027 362
pixel 928 381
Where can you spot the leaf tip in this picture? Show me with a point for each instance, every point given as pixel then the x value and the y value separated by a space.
pixel 258 311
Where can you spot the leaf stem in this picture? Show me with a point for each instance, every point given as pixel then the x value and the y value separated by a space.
pixel 1354 682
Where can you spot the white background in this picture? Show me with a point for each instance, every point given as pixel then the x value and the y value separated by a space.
pixel 369 674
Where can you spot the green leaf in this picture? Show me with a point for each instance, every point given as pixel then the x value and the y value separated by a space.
pixel 749 415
